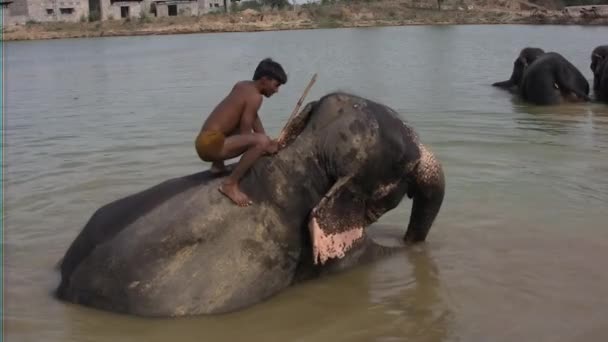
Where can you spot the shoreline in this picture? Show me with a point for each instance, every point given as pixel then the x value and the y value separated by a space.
pixel 318 17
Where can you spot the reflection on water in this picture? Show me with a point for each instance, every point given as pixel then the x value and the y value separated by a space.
pixel 408 288
pixel 553 120
pixel 515 254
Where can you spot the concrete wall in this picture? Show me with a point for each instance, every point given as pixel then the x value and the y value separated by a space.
pixel 46 10
pixel 17 8
pixel 112 10
pixel 134 9
pixel 184 8
pixel 11 20
pixel 213 5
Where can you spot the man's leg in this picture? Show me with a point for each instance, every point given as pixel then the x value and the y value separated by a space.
pixel 217 167
pixel 254 145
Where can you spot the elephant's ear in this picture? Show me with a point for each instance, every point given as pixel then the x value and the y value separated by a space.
pixel 295 125
pixel 337 222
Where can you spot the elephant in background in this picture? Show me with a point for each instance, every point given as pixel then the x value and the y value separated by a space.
pixel 599 66
pixel 545 78
pixel 526 57
pixel 182 248
pixel 551 79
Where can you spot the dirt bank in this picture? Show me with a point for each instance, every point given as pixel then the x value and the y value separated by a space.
pixel 384 13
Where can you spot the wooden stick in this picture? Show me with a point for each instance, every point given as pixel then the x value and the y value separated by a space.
pixel 298 105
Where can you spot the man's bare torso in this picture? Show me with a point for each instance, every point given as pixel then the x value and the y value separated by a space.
pixel 226 116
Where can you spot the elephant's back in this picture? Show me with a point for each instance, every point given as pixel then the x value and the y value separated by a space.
pixel 539 80
pixel 114 217
pixel 195 252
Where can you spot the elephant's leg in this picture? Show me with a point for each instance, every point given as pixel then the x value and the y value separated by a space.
pixel 367 250
pixel 541 90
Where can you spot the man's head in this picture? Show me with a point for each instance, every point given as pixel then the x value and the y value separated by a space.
pixel 269 75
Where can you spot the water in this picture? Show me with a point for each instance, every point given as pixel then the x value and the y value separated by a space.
pixel 516 253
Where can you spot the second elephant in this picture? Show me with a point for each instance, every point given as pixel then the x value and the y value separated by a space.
pixel 551 79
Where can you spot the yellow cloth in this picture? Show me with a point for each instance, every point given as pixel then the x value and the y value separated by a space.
pixel 209 144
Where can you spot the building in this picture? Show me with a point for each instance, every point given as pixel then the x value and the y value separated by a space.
pixel 22 11
pixel 117 9
pixel 169 8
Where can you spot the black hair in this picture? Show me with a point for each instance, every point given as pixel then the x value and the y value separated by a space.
pixel 271 69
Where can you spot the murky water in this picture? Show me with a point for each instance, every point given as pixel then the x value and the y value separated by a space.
pixel 516 254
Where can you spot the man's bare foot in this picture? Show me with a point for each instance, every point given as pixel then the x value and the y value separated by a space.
pixel 218 168
pixel 232 191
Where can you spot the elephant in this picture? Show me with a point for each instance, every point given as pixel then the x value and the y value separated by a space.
pixel 181 248
pixel 599 66
pixel 526 56
pixel 551 79
pixel 599 53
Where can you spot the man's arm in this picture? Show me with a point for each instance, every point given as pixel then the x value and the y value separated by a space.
pixel 250 114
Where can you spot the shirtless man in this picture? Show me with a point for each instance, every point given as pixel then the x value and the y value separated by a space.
pixel 234 128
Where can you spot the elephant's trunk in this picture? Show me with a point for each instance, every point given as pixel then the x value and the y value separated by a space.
pixel 428 191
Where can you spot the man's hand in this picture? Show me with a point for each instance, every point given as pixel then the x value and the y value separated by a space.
pixel 272 147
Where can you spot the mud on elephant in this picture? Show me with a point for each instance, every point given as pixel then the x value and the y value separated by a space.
pixel 599 66
pixel 182 248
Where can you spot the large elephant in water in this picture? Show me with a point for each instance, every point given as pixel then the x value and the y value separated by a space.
pixel 551 79
pixel 545 78
pixel 599 66
pixel 526 57
pixel 182 248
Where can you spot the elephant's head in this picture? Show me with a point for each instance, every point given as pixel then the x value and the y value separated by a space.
pixel 598 57
pixel 372 160
pixel 599 54
pixel 525 58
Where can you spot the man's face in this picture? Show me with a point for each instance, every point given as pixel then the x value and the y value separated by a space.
pixel 271 86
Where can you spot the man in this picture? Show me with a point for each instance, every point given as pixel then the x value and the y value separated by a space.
pixel 234 128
